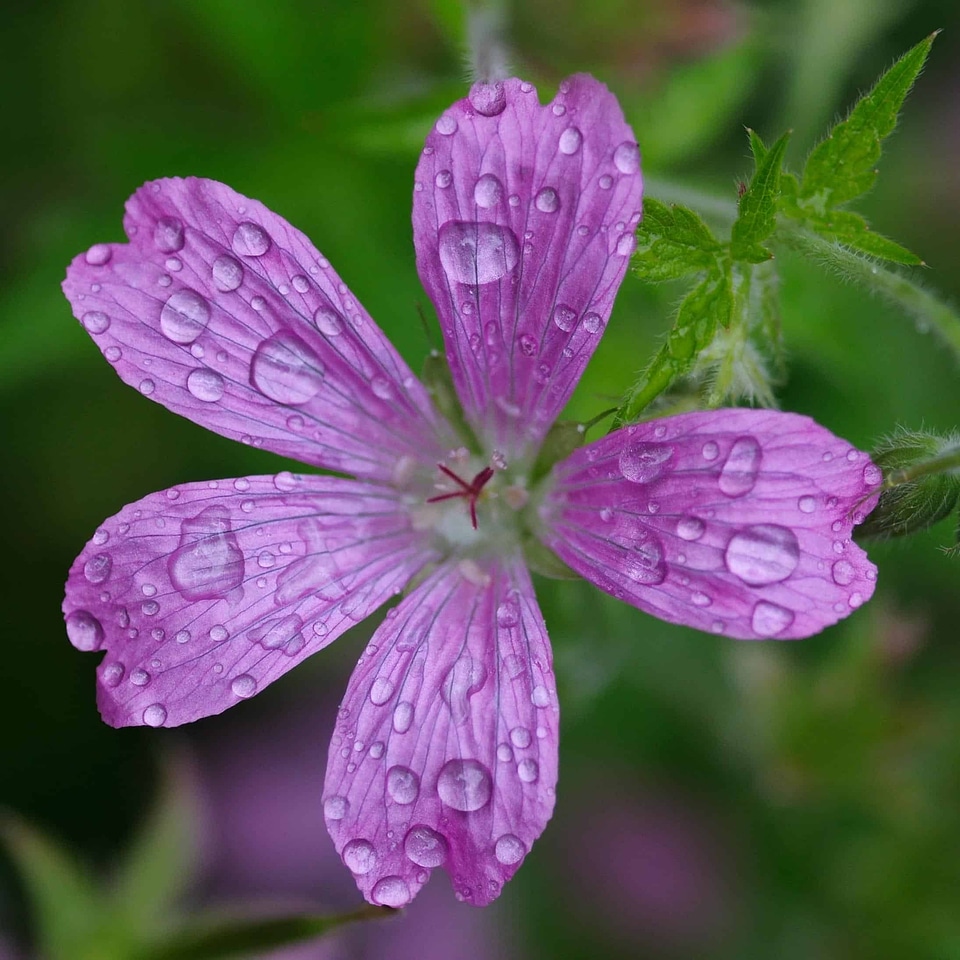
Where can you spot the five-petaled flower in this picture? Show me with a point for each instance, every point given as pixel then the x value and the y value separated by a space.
pixel 445 748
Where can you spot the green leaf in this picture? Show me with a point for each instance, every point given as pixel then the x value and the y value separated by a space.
pixel 853 230
pixel 707 308
pixel 561 440
pixel 239 936
pixel 672 241
pixel 843 166
pixel 758 206
pixel 67 906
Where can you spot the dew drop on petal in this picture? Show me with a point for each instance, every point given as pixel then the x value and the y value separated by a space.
pixel 147 387
pixel 112 674
pixel 98 254
pixel 872 474
pixel 690 528
pixel 739 472
pixel 856 600
pixel 359 856
pixel 465 785
pixel 227 273
pixel 84 630
pixel 592 322
pixel 547 200
pixel 335 808
pixel 520 737
pixel 564 317
pixel 605 182
pixel 570 141
pixel 425 847
pixel 243 686
pixel 184 316
pixel 626 158
pixel 807 504
pixel 403 785
pixel 443 179
pixel 95 321
pixel 642 462
pixel 487 191
pixel 381 690
pixel 528 770
pixel 762 554
pixel 447 125
pixel 540 697
pixel 286 370
pixel 843 572
pixel 206 385
pixel 97 568
pixel 509 849
pixel 477 253
pixel 168 235
pixel 403 716
pixel 391 892
pixel 769 619
pixel 528 344
pixel 139 678
pixel 250 240
pixel 508 614
pixel 488 99
pixel 155 715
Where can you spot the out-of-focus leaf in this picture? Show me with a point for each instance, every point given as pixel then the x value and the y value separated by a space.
pixel 241 936
pixel 853 230
pixel 672 241
pixel 757 215
pixel 694 105
pixel 843 166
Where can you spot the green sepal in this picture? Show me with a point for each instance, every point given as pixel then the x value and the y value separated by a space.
pixel 843 166
pixel 757 216
pixel 561 440
pixel 541 559
pixel 672 241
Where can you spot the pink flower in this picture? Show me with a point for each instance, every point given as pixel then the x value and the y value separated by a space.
pixel 445 750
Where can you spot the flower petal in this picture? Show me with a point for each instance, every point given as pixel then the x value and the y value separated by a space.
pixel 445 750
pixel 204 594
pixel 224 313
pixel 734 521
pixel 524 219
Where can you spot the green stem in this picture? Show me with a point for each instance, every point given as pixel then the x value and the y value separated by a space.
pixel 950 460
pixel 928 310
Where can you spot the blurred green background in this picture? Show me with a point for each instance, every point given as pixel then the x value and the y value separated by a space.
pixel 717 800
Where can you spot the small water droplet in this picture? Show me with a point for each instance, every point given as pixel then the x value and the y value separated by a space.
pixel 762 554
pixel 626 244
pixel 403 785
pixel 769 619
pixel 381 690
pixel 843 572
pixel 168 235
pixel 425 847
pixel 139 678
pixel 465 785
pixel 570 141
pixel 147 387
pixel 250 240
pixel 382 388
pixel 642 462
pixel 184 316
pixel 547 200
pixel 558 109
pixel 520 737
pixel 243 686
pixel 710 450
pixel 508 614
pixel 488 99
pixel 540 697
pixel 807 504
pixel 690 528
pixel 403 716
pixel 872 474
pixel 443 179
pixel 509 849
pixel 206 385
pixel 84 630
pixel 112 674
pixel 488 191
pixel 528 345
pixel 626 158
pixel 359 856
pixel 739 473
pixel 98 254
pixel 856 600
pixel 95 322
pixel 528 770
pixel 605 182
pixel 335 808
pixel 155 715
pixel 391 892
pixel 447 125
pixel 219 633
pixel 564 317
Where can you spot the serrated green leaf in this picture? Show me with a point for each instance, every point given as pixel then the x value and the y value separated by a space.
pixel 853 230
pixel 757 147
pixel 672 241
pixel 707 308
pixel 843 166
pixel 241 936
pixel 757 215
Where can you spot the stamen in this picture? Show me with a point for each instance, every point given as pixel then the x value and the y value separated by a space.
pixel 470 491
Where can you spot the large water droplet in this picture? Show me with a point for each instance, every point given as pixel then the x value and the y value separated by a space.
pixel 570 141
pixel 97 568
pixel 168 235
pixel 642 462
pixel 184 316
pixel 139 678
pixel 843 572
pixel 285 369
pixel 740 469
pixel 465 678
pixel 626 158
pixel 206 385
pixel 84 630
pixel 690 528
pixel 250 240
pixel 208 562
pixel 243 686
pixel 95 321
pixel 765 553
pixel 872 474
pixel 807 504
pixel 403 716
pixel 528 770
pixel 335 808
pixel 403 784
pixel 488 191
pixel 564 317
pixel 381 690
pixel 425 847
pixel 155 715
pixel 391 892
pixel 359 856
pixel 447 125
pixel 464 785
pixel 540 697
pixel 547 200
pixel 509 849
pixel 283 633
pixel 769 619
pixel 520 737
pixel 227 273
pixel 443 179
pixel 477 253
pixel 488 99
pixel 643 562
pixel 98 254
pixel 112 674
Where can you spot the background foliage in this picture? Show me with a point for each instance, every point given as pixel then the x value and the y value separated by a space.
pixel 717 799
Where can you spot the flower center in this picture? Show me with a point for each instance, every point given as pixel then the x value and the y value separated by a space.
pixel 468 491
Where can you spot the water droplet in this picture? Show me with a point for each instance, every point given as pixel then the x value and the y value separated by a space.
pixel 359 856
pixel 488 99
pixel 710 450
pixel 488 191
pixel 112 674
pixel 425 847
pixel 843 572
pixel 84 630
pixel 155 715
pixel 558 109
pixel 403 716
pixel 520 737
pixel 540 697
pixel 477 253
pixel 642 462
pixel 856 600
pixel 403 784
pixel 184 316
pixel 528 770
pixel 872 474
pixel 95 321
pixel 139 678
pixel 101 537
pixel 564 317
pixel 547 200
pixel 182 636
pixel 443 179
pixel 504 753
pixel 285 369
pixel 150 608
pixel 510 849
pixel 740 469
pixel 447 125
pixel 205 385
pixel 626 244
pixel 219 633
pixel 807 504
pixel 464 785
pixel 391 892
pixel 382 388
pixel 208 563
pixel 98 254
pixel 690 528
pixel 147 387
pixel 570 141
pixel 762 554
pixel 227 273
pixel 769 619
pixel 508 613
pixel 335 808
pixel 643 562
pixel 243 686
pixel 465 678
pixel 97 568
pixel 528 345
pixel 592 322
pixel 626 158
pixel 605 182
pixel 853 455
pixel 250 240
pixel 381 690
pixel 168 235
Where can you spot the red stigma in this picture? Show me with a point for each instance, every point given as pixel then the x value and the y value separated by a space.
pixel 469 491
